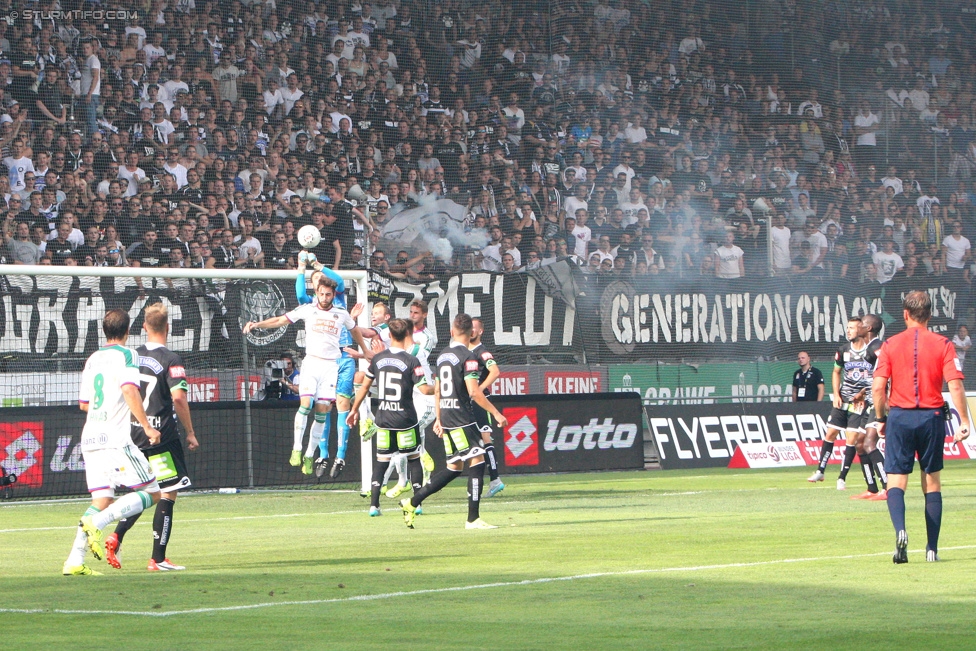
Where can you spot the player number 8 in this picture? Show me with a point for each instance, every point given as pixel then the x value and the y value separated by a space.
pixel 447 386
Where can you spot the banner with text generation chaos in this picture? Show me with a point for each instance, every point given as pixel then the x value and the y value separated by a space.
pixel 41 445
pixel 692 384
pixel 742 318
pixel 565 433
pixel 706 436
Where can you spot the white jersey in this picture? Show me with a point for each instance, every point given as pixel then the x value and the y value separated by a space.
pixel 383 331
pixel 106 371
pixel 322 328
pixel 424 342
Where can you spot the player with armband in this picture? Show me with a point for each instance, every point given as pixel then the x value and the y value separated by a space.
pixel 488 372
pixel 324 322
pixel 396 374
pixel 347 370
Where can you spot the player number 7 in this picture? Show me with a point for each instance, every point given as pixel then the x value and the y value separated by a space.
pixel 150 385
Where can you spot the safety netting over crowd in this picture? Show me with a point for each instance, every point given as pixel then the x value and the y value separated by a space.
pixel 734 177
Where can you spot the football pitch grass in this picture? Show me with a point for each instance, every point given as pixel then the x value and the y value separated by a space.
pixel 698 559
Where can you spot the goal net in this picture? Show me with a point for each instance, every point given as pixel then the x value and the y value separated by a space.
pixel 242 411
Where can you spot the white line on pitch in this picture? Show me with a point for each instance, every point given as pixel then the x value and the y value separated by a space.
pixel 460 588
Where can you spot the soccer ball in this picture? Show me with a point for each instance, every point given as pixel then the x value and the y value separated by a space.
pixel 309 236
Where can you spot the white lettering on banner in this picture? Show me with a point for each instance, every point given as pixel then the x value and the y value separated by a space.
pixel 62 460
pixel 717 437
pixel 567 382
pixel 594 435
pixel 204 390
pixel 446 303
pixel 633 318
pixel 91 311
pixel 511 383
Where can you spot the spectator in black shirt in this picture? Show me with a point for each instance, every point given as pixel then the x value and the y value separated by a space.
pixel 85 254
pixel 60 249
pixel 50 99
pixel 278 255
pixel 147 253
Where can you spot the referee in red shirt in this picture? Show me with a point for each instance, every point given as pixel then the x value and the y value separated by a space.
pixel 916 415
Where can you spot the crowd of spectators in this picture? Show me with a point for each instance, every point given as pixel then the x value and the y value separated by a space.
pixel 832 140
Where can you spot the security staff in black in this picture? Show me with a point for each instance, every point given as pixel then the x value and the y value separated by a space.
pixel 488 372
pixel 808 381
pixel 164 391
pixel 455 387
pixel 395 372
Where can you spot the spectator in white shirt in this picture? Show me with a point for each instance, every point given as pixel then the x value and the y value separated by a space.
pixel 886 262
pixel 729 259
pixel 956 251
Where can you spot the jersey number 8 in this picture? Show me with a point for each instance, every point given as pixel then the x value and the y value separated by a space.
pixel 447 383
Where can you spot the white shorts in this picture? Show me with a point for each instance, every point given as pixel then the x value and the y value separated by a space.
pixel 318 379
pixel 111 468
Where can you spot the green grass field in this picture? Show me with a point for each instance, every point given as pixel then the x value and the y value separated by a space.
pixel 643 560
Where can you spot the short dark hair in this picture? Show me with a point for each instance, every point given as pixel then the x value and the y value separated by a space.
pixel 462 323
pixel 115 325
pixel 419 303
pixel 399 329
pixel 873 322
pixel 328 282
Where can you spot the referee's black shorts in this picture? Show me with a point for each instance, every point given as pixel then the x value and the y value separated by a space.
pixel 910 432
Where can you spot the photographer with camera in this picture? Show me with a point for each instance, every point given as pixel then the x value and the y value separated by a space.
pixel 282 379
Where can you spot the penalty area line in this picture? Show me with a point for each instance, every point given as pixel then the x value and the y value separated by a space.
pixel 460 588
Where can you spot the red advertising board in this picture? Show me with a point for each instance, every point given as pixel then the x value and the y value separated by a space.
pixel 521 436
pixel 22 451
pixel 511 383
pixel 255 383
pixel 205 389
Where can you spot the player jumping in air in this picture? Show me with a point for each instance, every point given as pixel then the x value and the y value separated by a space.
pixel 396 373
pixel 163 388
pixel 853 363
pixel 344 379
pixel 110 396
pixel 323 327
pixel 455 389
pixel 488 373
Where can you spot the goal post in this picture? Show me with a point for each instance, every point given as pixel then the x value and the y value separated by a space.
pixel 50 322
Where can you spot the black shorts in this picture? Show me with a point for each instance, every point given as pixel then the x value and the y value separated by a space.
pixel 462 443
pixel 391 441
pixel 167 462
pixel 844 419
pixel 482 419
pixel 914 431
